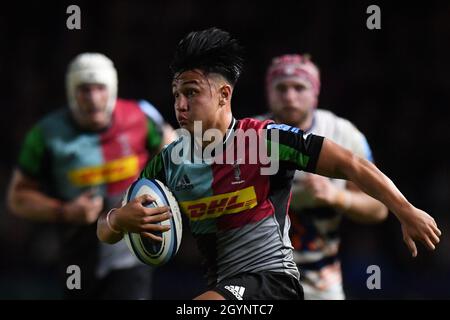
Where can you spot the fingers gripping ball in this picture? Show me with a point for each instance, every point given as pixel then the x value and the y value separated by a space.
pixel 147 250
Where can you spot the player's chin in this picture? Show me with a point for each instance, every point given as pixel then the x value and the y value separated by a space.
pixel 292 116
pixel 98 123
pixel 187 126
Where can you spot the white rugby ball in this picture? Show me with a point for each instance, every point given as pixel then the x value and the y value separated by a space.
pixel 147 250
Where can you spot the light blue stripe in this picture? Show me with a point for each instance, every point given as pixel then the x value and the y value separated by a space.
pixel 151 112
pixel 284 127
pixel 70 149
pixel 367 151
pixel 201 178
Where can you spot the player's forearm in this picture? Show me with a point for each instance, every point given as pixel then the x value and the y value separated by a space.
pixel 105 233
pixel 32 204
pixel 360 207
pixel 373 182
pixel 337 162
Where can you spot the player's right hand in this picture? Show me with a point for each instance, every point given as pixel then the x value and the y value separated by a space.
pixel 135 217
pixel 84 209
pixel 419 225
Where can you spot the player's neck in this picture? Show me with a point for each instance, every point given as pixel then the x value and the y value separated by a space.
pixel 223 124
pixel 307 123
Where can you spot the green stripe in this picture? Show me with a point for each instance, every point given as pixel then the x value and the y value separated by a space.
pixel 154 136
pixel 153 168
pixel 32 152
pixel 286 153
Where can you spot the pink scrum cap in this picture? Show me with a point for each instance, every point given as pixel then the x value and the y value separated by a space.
pixel 294 66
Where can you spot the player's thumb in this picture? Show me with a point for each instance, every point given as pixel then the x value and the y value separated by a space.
pixel 145 199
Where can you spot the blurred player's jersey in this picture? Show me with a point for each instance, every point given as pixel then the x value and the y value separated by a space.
pixel 68 161
pixel 315 231
pixel 238 216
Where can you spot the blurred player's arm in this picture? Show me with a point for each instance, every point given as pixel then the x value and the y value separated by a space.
pixel 25 199
pixel 160 133
pixel 355 204
pixel 169 135
pixel 361 207
pixel 337 162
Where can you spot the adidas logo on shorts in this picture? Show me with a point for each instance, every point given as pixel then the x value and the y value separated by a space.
pixel 237 291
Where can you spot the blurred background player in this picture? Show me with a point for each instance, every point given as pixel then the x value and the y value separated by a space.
pixel 318 203
pixel 76 162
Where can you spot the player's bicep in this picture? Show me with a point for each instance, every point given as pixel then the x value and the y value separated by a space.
pixel 155 169
pixel 32 154
pixel 295 149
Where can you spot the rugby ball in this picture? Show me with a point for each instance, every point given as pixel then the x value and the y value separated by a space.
pixel 147 250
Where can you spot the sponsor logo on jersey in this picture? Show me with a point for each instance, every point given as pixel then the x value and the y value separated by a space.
pixel 237 174
pixel 184 184
pixel 113 171
pixel 218 205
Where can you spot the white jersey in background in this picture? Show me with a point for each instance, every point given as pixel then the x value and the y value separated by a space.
pixel 315 231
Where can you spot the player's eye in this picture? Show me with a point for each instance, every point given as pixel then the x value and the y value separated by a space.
pixel 299 88
pixel 191 93
pixel 281 88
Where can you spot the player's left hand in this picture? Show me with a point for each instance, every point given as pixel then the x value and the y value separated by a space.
pixel 420 226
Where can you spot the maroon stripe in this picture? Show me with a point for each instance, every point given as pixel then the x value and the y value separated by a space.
pixel 228 178
pixel 127 136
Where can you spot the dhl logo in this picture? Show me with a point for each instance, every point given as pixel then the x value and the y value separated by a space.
pixel 112 171
pixel 215 206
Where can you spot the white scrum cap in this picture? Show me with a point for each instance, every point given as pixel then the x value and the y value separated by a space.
pixel 91 68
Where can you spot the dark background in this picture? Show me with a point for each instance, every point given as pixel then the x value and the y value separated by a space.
pixel 392 83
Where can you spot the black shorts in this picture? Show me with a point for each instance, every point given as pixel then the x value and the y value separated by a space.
pixel 260 286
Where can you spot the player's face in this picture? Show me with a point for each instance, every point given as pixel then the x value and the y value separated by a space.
pixel 292 101
pixel 92 100
pixel 196 99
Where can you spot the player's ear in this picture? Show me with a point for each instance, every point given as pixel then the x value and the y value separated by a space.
pixel 225 94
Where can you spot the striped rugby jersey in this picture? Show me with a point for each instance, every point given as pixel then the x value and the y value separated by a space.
pixel 237 215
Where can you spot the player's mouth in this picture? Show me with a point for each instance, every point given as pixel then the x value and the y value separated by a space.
pixel 290 108
pixel 93 111
pixel 182 120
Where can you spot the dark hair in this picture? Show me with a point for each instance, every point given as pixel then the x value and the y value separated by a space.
pixel 212 51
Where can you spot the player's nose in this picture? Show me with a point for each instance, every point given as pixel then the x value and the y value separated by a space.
pixel 181 104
